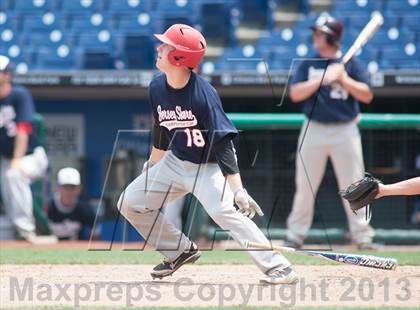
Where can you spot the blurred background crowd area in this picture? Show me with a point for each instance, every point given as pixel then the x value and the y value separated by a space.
pixel 116 34
pixel 88 64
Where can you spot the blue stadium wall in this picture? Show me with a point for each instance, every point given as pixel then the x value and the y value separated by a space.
pixel 102 120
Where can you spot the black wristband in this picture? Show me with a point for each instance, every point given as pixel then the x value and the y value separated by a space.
pixel 224 152
pixel 160 140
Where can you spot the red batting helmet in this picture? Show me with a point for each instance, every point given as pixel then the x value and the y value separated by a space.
pixel 188 42
pixel 331 27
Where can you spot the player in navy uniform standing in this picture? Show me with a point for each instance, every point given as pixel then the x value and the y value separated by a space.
pixel 22 158
pixel 331 101
pixel 192 153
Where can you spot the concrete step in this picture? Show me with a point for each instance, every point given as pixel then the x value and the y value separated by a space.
pixel 249 34
pixel 321 5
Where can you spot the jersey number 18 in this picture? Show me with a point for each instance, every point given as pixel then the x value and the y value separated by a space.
pixel 194 136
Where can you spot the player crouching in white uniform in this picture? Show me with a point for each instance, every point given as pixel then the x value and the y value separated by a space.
pixel 22 158
pixel 192 153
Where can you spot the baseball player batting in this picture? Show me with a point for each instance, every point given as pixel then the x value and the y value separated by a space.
pixel 329 93
pixel 193 153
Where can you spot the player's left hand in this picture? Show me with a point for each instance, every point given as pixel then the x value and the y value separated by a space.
pixel 335 73
pixel 246 204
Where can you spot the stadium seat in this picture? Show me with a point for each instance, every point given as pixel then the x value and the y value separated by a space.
pixel 368 53
pixel 9 20
pixel 140 23
pixel 41 23
pixel 94 60
pixel 5 5
pixel 280 64
pixel 412 21
pixel 384 36
pixel 62 58
pixel 355 6
pixel 207 67
pixel 237 64
pixel 386 64
pixel 241 52
pixel 129 6
pixel 138 51
pixel 14 52
pixel 287 36
pixel 401 52
pixel 102 39
pixel 245 58
pixel 411 65
pixel 98 33
pixel 53 39
pixel 402 6
pixel 255 11
pixel 358 18
pixel 390 20
pixel 33 6
pixel 8 38
pixel 305 22
pixel 82 6
pixel 168 12
pixel 361 21
pixel 215 21
pixel 161 23
pixel 174 6
pixel 95 21
pixel 20 61
pixel 283 54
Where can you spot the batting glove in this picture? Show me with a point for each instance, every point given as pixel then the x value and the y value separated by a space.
pixel 246 204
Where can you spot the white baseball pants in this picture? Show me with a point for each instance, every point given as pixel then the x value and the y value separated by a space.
pixel 16 188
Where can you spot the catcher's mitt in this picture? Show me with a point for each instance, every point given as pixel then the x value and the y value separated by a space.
pixel 361 193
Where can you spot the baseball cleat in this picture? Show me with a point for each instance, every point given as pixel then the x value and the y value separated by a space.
pixel 280 276
pixel 165 268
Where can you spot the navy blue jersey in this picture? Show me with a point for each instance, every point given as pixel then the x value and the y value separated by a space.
pixel 82 214
pixel 17 107
pixel 334 103
pixel 192 118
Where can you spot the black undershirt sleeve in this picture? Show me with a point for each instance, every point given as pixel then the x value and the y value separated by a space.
pixel 160 140
pixel 225 156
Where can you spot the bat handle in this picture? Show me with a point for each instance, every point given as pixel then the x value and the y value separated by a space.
pixel 267 246
pixel 250 244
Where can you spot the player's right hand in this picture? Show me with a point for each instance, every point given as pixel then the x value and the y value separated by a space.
pixel 246 204
pixel 334 73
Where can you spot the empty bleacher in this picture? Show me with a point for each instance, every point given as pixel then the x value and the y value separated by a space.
pixel 117 34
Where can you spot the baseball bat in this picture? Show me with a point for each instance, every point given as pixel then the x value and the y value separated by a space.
pixel 350 259
pixel 368 31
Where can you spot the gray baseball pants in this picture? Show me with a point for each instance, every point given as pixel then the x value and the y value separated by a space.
pixel 342 143
pixel 142 200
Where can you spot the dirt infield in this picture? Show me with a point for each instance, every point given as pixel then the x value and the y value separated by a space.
pixel 205 285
